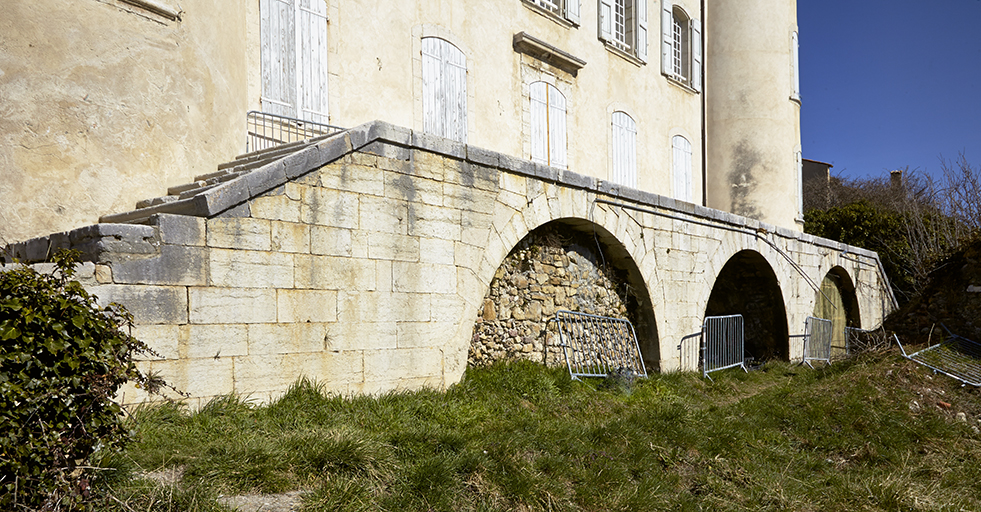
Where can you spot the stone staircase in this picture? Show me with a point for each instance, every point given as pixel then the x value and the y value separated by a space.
pixel 180 199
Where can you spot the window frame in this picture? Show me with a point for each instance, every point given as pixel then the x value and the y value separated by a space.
pixel 681 46
pixel 444 68
pixel 566 11
pixel 681 168
pixel 296 87
pixel 549 141
pixel 632 39
pixel 624 149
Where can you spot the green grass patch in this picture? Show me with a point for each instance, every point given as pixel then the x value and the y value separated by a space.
pixel 875 433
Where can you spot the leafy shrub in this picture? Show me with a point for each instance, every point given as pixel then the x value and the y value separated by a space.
pixel 62 359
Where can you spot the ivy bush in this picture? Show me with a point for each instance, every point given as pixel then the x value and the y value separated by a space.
pixel 62 359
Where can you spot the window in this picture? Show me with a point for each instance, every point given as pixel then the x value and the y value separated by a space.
pixel 624 150
pixel 681 168
pixel 795 67
pixel 681 46
pixel 548 137
pixel 444 89
pixel 623 25
pixel 566 9
pixel 293 56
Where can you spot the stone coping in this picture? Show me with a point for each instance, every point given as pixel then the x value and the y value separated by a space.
pixel 134 231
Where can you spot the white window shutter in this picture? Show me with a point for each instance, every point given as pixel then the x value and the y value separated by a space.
pixel 312 53
pixel 572 11
pixel 624 150
pixel 431 86
pixel 444 89
pixel 557 128
pixel 795 63
pixel 606 20
pixel 455 71
pixel 681 168
pixel 277 34
pixel 696 52
pixel 667 20
pixel 539 121
pixel 642 30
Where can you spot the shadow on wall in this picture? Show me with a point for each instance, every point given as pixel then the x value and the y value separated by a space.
pixel 747 286
pixel 569 265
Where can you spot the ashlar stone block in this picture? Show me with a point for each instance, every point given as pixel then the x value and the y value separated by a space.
pixel 303 306
pixel 424 277
pixel 216 341
pixel 239 233
pixel 251 269
pixel 213 305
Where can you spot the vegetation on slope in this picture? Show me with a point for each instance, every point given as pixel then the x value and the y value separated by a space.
pixel 875 433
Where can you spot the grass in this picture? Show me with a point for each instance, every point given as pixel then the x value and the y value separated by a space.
pixel 875 433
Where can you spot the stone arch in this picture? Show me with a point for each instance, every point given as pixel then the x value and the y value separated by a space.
pixel 567 263
pixel 747 285
pixel 837 301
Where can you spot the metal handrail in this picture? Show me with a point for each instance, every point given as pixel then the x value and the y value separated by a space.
pixel 265 130
pixel 596 346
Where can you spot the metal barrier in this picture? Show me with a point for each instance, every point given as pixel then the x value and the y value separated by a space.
pixel 723 344
pixel 270 130
pixel 817 340
pixel 596 346
pixel 956 357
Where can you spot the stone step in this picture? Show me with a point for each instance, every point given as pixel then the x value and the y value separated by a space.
pixel 153 201
pixel 266 155
pixel 285 147
pixel 179 189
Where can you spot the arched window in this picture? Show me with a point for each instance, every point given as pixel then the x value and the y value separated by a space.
pixel 444 89
pixel 681 46
pixel 548 128
pixel 624 150
pixel 681 167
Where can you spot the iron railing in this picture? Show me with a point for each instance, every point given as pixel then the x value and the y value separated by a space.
pixel 956 357
pixel 269 130
pixel 817 340
pixel 723 344
pixel 596 346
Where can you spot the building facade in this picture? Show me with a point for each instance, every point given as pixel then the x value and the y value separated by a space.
pixel 695 100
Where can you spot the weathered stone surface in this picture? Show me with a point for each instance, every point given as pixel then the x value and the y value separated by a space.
pixel 275 207
pixel 180 229
pixel 175 265
pixel 250 269
pixel 288 338
pixel 231 305
pixel 405 363
pixel 303 306
pixel 216 341
pixel 238 233
pixel 148 304
pixel 290 237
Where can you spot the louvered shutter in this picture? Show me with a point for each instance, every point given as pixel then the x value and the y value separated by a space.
pixel 795 63
pixel 557 128
pixel 606 19
pixel 642 30
pixel 312 53
pixel 444 89
pixel 624 150
pixel 696 52
pixel 432 108
pixel 278 57
pixel 667 20
pixel 539 121
pixel 681 168
pixel 572 11
pixel 455 71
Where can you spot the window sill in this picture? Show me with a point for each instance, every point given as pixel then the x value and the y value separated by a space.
pixel 554 16
pixel 681 84
pixel 612 48
pixel 157 10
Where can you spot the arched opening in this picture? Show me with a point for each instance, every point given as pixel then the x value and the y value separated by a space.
pixel 837 302
pixel 748 286
pixel 567 264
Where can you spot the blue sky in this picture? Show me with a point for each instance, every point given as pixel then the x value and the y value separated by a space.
pixel 887 84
